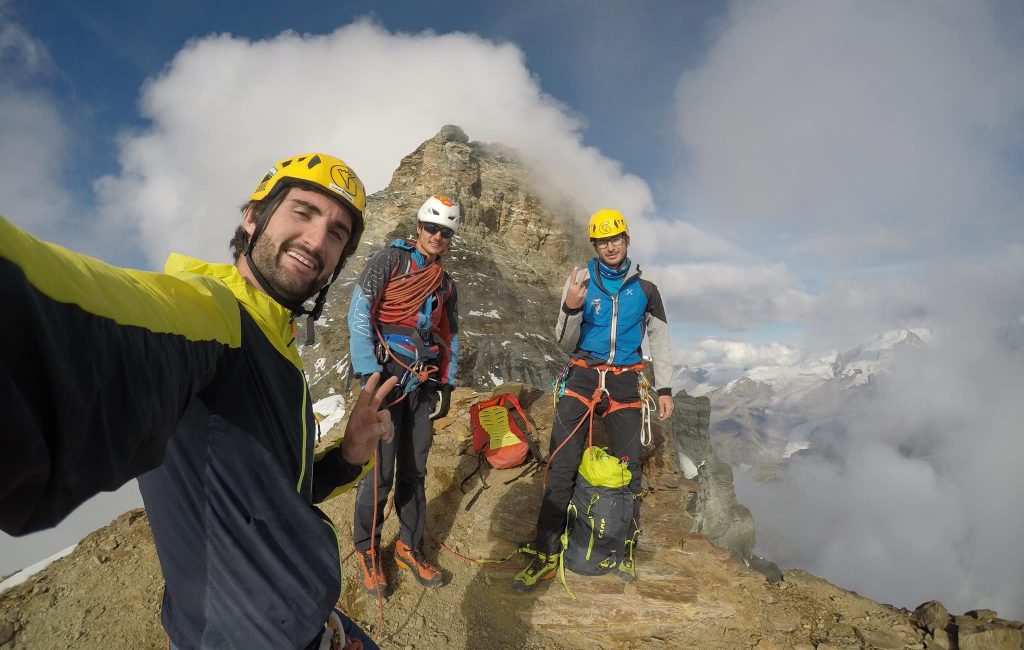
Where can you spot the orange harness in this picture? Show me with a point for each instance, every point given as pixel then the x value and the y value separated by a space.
pixel 595 399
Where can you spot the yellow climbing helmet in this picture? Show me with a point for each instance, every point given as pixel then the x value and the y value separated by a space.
pixel 607 223
pixel 322 170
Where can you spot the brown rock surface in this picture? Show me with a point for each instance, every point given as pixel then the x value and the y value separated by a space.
pixel 691 593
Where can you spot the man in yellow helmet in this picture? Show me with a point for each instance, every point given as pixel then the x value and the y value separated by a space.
pixel 190 380
pixel 607 310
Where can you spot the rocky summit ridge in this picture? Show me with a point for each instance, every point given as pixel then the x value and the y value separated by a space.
pixel 697 587
pixel 691 592
pixel 509 260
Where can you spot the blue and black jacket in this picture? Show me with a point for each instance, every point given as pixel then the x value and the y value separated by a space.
pixel 189 378
pixel 432 333
pixel 620 308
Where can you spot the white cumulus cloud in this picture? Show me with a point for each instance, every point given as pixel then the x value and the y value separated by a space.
pixel 720 354
pixel 859 128
pixel 735 296
pixel 226 108
pixel 33 133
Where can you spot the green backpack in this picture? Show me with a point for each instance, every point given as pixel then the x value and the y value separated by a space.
pixel 599 515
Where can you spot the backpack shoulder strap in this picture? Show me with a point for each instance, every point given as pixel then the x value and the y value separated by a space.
pixel 529 431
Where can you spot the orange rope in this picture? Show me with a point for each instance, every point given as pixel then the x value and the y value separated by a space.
pixel 404 294
pixel 402 298
pixel 455 553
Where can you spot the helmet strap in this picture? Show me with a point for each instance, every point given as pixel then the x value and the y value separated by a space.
pixel 296 309
pixel 261 224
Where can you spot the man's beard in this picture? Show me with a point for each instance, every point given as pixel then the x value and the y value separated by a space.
pixel 267 256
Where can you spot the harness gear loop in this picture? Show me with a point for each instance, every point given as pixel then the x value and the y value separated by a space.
pixel 650 405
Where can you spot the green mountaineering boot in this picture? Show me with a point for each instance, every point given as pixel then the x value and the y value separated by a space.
pixel 541 567
pixel 627 568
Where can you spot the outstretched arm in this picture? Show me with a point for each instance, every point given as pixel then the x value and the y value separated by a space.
pixel 97 364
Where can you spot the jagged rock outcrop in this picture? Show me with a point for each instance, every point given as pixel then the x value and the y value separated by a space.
pixel 715 511
pixel 976 630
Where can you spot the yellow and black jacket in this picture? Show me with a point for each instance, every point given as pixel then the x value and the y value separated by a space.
pixel 190 380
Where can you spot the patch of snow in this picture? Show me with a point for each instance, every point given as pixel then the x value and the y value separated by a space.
pixel 547 358
pixel 505 344
pixel 689 469
pixel 29 571
pixel 520 335
pixel 330 410
pixel 498 381
pixel 794 446
pixel 486 314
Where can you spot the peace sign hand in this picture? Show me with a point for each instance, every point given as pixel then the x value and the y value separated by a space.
pixel 368 424
pixel 577 292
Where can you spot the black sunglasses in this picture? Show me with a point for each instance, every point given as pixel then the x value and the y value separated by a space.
pixel 433 229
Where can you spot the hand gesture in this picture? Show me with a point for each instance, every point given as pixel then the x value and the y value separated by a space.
pixel 368 424
pixel 577 292
pixel 665 407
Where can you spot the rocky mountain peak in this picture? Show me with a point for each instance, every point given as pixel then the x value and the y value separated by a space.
pixel 509 260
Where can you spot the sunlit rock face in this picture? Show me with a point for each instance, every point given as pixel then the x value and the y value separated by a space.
pixel 510 259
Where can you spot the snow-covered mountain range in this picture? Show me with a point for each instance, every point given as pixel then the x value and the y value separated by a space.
pixel 767 413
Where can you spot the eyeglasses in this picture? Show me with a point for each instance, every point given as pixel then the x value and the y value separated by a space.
pixel 616 241
pixel 433 229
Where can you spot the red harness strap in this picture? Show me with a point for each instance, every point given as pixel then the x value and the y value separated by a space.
pixel 592 402
pixel 596 398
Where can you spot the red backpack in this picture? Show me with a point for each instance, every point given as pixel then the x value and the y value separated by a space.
pixel 499 438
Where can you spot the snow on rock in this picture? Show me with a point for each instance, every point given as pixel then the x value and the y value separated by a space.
pixel 689 469
pixel 486 314
pixel 498 381
pixel 794 446
pixel 29 571
pixel 329 410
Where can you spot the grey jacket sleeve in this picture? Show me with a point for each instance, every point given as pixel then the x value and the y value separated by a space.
pixel 657 337
pixel 567 327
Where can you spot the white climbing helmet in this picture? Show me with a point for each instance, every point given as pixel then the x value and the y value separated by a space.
pixel 442 211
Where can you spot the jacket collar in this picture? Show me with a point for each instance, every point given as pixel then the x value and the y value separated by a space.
pixel 273 319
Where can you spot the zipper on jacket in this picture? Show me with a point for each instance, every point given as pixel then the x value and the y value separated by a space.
pixel 615 324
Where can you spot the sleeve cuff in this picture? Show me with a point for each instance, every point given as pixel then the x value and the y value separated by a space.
pixel 571 312
pixel 665 392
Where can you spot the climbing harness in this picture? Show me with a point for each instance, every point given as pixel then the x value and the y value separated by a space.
pixel 602 370
pixel 401 299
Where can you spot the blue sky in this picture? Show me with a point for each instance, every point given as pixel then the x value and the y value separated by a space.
pixel 799 175
pixel 587 59
pixel 773 157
